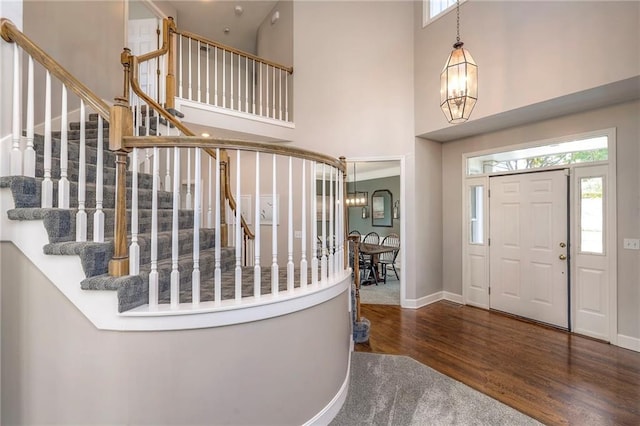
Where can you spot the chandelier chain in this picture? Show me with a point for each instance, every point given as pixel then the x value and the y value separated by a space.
pixel 458 21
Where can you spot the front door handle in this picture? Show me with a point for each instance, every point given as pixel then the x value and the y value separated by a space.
pixel 562 257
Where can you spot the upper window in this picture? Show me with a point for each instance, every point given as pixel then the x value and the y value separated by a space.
pixel 555 154
pixel 433 9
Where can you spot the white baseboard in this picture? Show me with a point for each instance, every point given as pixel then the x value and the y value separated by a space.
pixel 330 411
pixel 628 342
pixel 432 298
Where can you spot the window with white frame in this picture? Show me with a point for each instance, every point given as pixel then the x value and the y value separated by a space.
pixel 433 9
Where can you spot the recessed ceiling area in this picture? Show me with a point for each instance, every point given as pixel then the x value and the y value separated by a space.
pixel 210 18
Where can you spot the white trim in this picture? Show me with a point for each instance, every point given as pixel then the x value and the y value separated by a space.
pixel 423 301
pixel 628 342
pixel 426 19
pixel 452 297
pixel 180 102
pixel 403 218
pixel 334 406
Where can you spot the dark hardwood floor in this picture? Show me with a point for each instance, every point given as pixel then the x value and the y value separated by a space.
pixel 548 374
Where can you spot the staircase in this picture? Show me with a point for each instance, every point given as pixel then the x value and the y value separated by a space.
pixel 60 224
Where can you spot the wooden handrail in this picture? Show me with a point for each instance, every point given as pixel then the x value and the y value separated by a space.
pixel 243 145
pixel 234 50
pixel 11 34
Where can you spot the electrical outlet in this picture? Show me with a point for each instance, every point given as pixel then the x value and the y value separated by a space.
pixel 632 243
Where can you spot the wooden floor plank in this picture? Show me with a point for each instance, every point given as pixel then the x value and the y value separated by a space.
pixel 551 375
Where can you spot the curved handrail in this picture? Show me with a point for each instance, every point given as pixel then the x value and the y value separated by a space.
pixel 243 145
pixel 234 50
pixel 11 34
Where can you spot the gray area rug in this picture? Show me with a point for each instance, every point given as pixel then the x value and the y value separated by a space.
pixel 397 390
pixel 381 294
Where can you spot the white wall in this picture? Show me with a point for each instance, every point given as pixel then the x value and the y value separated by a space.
pixel 61 370
pixel 624 117
pixel 353 72
pixel 527 52
pixel 275 41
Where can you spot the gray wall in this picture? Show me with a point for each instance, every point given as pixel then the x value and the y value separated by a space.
pixel 624 117
pixel 58 369
pixel 392 183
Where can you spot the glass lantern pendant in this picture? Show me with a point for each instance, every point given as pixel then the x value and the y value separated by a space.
pixel 458 85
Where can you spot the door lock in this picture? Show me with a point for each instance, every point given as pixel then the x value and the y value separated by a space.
pixel 562 257
pixel 563 245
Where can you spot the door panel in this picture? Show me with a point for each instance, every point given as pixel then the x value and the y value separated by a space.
pixel 528 223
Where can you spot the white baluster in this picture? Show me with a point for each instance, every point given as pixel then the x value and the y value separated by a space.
pixel 215 75
pixel 210 191
pixel 16 152
pixel 167 178
pixel 231 78
pixel 180 65
pixel 253 86
pixel 98 215
pixel 273 91
pixel 314 225
pixel 303 241
pixel 274 236
pixel 246 84
pixel 339 230
pixel 63 183
pixel 331 241
pixel 47 183
pixel 190 91
pixel 81 215
pixel 199 77
pixel 147 160
pixel 280 93
pixel 266 101
pixel 217 271
pixel 188 197
pixel 261 88
pixel 30 153
pixel 238 231
pixel 224 78
pixel 153 275
pixel 290 276
pixel 175 274
pixel 195 275
pixel 323 260
pixel 239 83
pixel 286 96
pixel 134 248
pixel 257 272
pixel 207 80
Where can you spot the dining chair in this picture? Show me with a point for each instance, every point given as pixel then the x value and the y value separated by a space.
pixel 368 260
pixel 389 258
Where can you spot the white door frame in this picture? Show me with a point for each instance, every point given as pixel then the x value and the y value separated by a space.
pixel 610 208
pixel 403 220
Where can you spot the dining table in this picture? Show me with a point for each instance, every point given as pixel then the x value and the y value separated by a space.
pixel 375 250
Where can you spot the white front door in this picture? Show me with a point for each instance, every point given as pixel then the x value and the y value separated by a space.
pixel 143 38
pixel 528 246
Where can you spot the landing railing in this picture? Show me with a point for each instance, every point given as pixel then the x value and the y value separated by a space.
pixel 66 99
pixel 221 76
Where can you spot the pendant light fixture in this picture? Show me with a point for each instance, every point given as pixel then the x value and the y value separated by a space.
pixel 355 198
pixel 458 81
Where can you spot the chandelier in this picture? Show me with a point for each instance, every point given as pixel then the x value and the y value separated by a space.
pixel 355 198
pixel 458 81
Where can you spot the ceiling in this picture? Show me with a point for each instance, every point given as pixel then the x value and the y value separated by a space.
pixel 210 18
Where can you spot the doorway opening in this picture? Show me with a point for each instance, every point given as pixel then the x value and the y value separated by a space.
pixel 378 221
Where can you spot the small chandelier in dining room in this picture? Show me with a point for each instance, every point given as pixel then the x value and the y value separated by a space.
pixel 355 198
pixel 458 81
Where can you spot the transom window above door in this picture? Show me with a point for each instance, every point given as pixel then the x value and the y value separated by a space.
pixel 583 150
